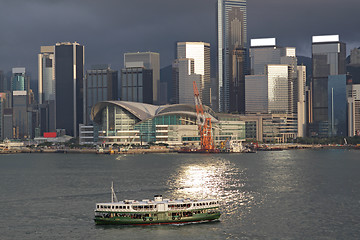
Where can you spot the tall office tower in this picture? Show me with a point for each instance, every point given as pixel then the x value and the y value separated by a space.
pixel 2 106
pixel 175 82
pixel 256 87
pixel 101 84
pixel 136 85
pixel 2 82
pixel 354 110
pixel 149 61
pixel 328 56
pixel 263 51
pixel 301 101
pixel 20 115
pixel 231 51
pixel 20 80
pixel 199 52
pixel 183 77
pixel 46 88
pixel 277 66
pixel 69 74
pixel 46 65
pixel 8 130
pixel 353 67
pixel 337 105
pixel 278 88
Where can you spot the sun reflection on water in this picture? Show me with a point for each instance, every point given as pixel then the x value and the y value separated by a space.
pixel 217 179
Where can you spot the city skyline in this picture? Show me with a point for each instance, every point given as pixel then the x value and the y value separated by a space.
pixel 41 23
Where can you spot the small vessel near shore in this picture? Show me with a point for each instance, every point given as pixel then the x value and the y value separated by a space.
pixel 156 211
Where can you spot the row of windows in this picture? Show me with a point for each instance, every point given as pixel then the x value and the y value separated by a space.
pixel 144 207
pixel 206 204
pixel 154 206
pixel 113 207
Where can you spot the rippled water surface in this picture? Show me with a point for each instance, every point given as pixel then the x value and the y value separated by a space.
pixel 298 194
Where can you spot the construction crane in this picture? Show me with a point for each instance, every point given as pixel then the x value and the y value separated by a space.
pixel 204 124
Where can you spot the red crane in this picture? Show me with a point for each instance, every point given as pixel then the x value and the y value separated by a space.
pixel 204 124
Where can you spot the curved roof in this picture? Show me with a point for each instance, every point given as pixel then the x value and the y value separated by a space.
pixel 140 110
pixel 145 111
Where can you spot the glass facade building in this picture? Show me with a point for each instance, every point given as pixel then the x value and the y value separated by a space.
pixel 69 79
pixel 262 52
pixel 124 122
pixel 20 115
pixel 2 104
pixel 256 87
pixel 328 56
pixel 136 85
pixel 278 88
pixel 101 84
pixel 337 102
pixel 148 61
pixel 231 52
pixel 275 63
pixel 3 84
pixel 353 68
pixel 19 80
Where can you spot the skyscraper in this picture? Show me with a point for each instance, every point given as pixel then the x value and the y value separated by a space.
pixel 137 85
pixel 328 56
pixel 354 110
pixel 46 88
pixel 101 84
pixel 199 53
pixel 353 67
pixel 277 66
pixel 46 65
pixel 19 80
pixel 2 82
pixel 231 49
pixel 183 77
pixel 69 74
pixel 149 61
pixel 301 101
pixel 20 115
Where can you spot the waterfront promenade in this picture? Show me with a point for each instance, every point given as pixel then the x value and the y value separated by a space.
pixel 262 147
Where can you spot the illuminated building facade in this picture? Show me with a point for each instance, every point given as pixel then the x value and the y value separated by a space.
pixel 231 53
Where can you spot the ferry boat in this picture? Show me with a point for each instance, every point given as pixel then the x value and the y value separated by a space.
pixel 156 211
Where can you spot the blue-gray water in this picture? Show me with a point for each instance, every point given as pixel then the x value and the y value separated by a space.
pixel 298 194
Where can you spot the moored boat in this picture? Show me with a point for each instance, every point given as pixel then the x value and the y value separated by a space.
pixel 156 211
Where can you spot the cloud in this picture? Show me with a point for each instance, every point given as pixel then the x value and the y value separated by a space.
pixel 108 28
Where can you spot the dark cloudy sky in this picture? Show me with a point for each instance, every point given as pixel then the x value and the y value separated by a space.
pixel 108 28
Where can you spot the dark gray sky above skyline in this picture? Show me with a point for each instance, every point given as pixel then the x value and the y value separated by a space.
pixel 108 28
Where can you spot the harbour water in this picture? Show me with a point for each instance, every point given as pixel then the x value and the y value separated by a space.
pixel 296 194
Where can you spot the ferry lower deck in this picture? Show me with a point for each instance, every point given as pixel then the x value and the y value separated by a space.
pixel 155 218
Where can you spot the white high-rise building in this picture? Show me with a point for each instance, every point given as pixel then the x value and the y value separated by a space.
pixel 353 110
pixel 279 66
pixel 199 53
pixel 46 65
pixel 301 104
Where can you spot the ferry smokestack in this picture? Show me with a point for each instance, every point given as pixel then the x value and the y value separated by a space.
pixel 158 198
